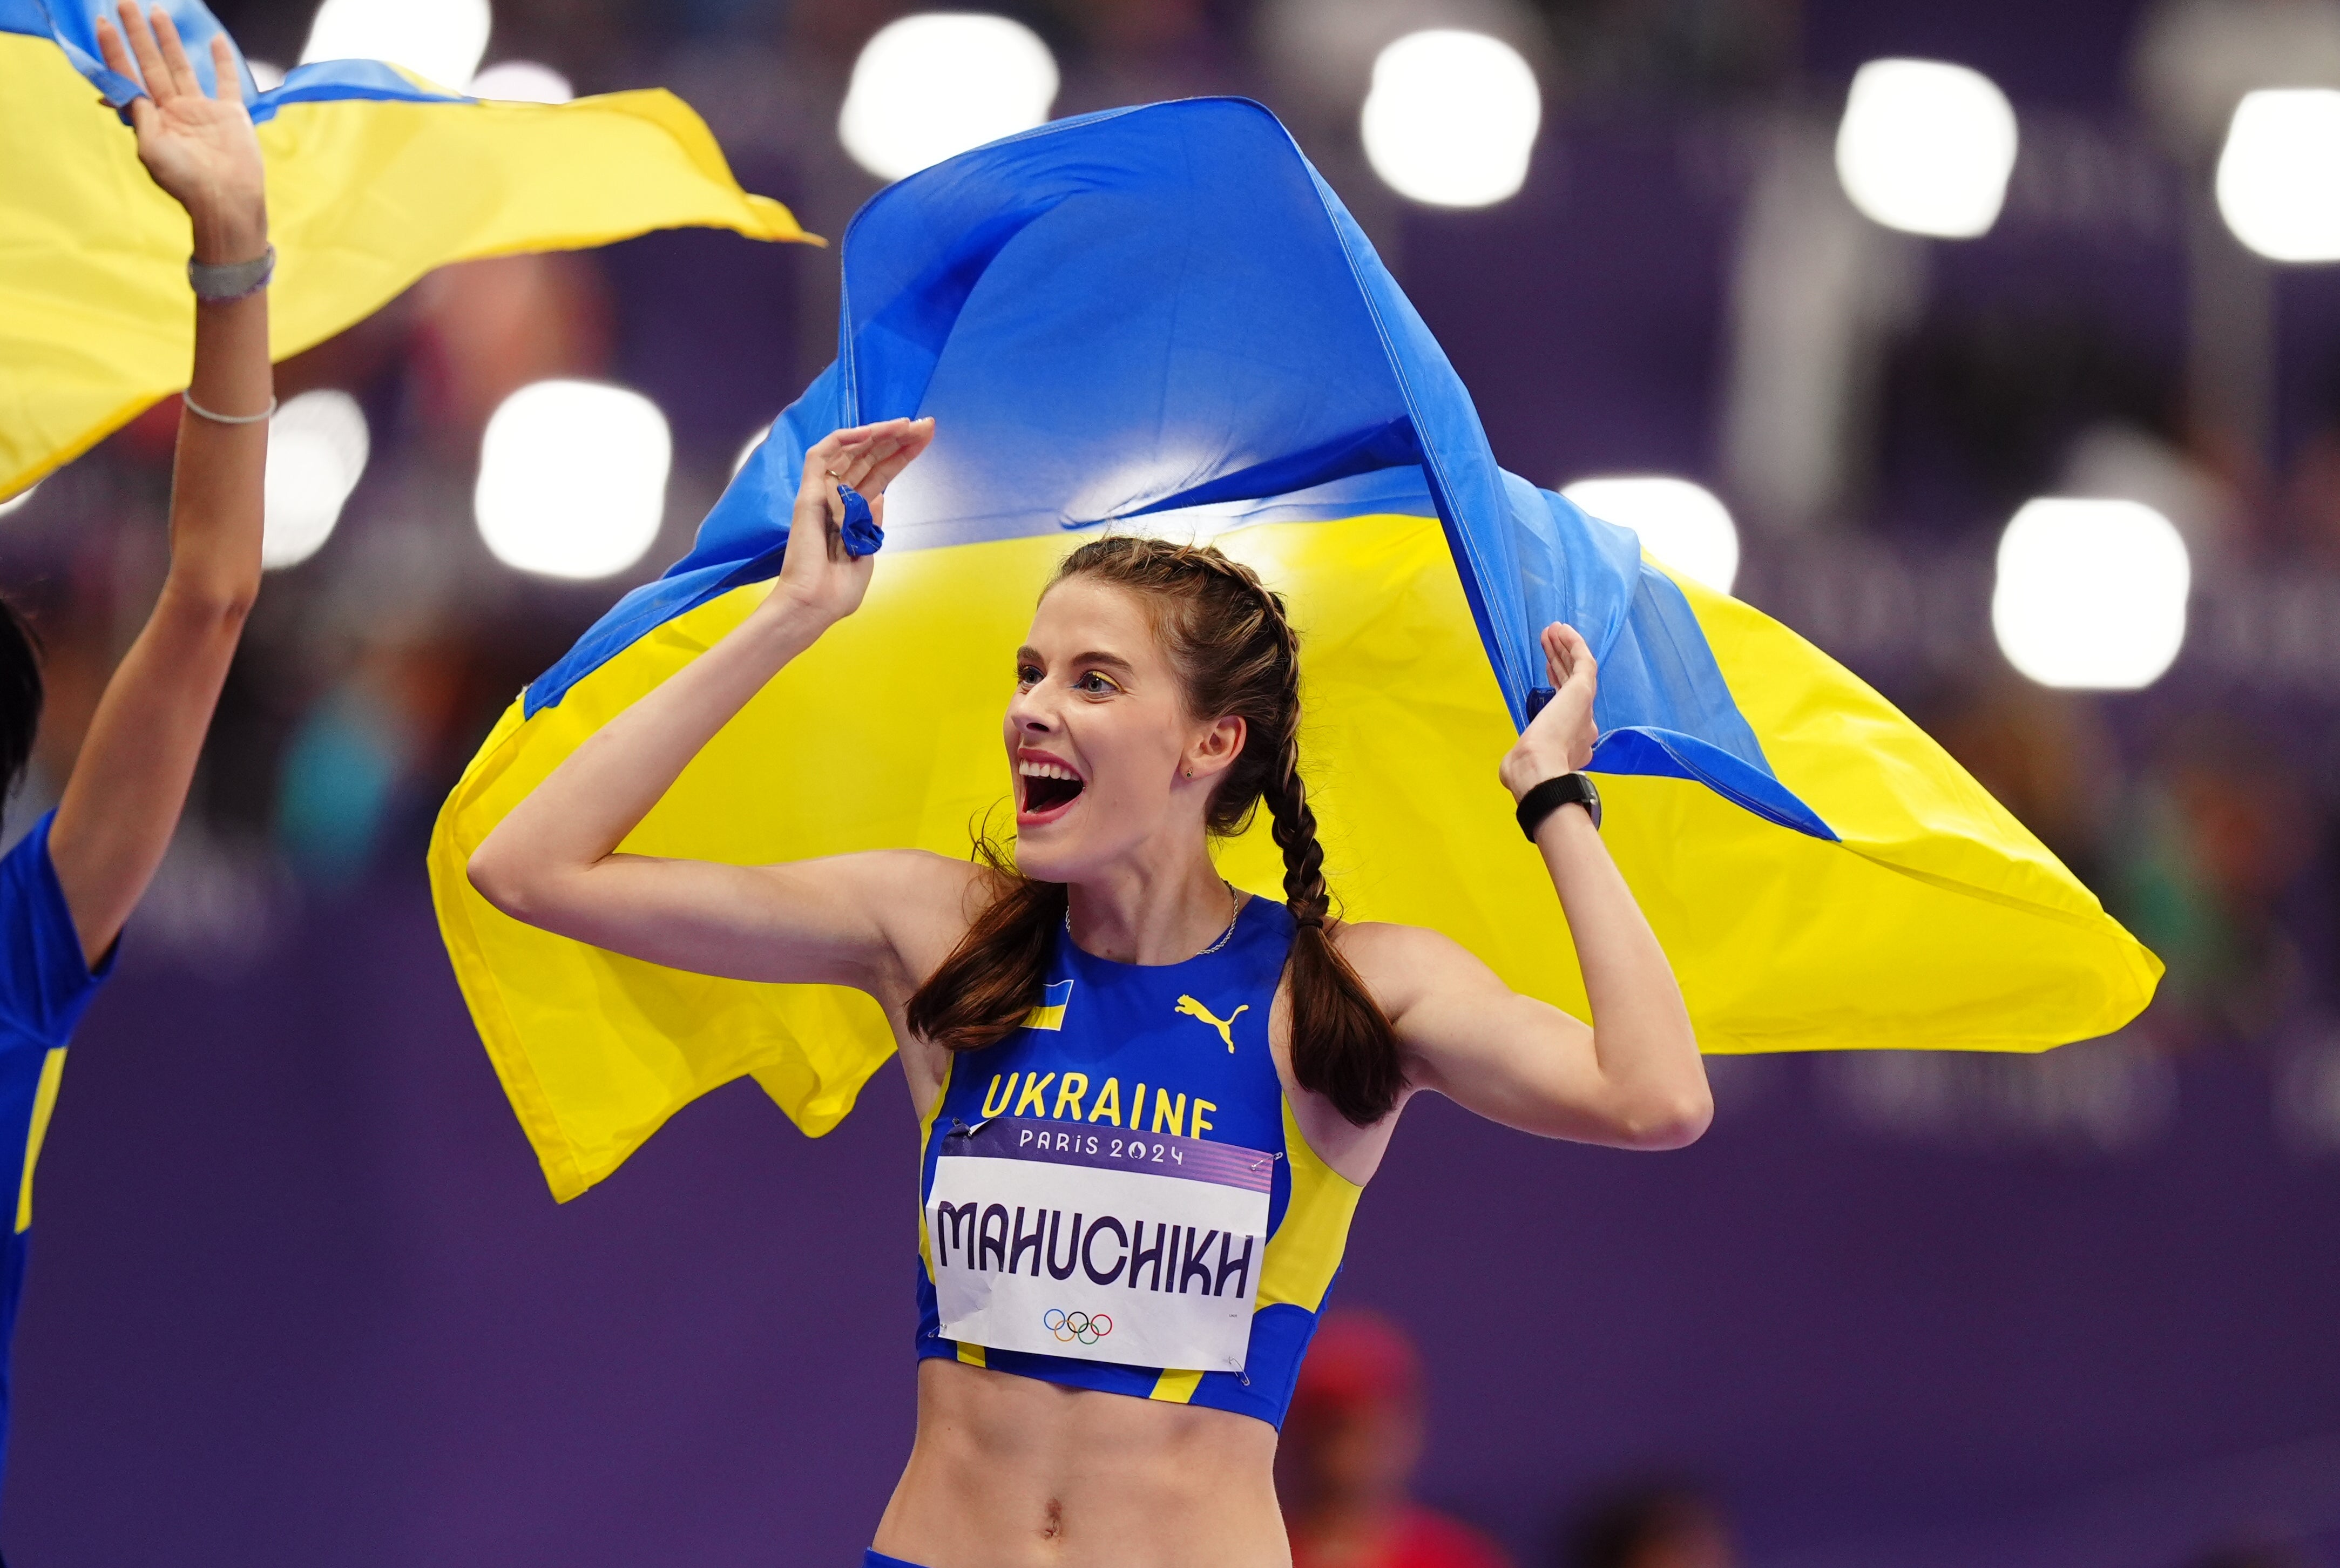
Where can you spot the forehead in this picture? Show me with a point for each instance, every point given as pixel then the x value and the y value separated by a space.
pixel 1083 616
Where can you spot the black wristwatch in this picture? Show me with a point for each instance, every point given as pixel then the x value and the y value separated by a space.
pixel 1568 790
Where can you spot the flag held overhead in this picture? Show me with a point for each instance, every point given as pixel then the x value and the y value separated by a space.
pixel 1162 319
pixel 375 176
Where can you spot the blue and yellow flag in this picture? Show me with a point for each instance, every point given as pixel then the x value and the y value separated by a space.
pixel 374 177
pixel 1162 319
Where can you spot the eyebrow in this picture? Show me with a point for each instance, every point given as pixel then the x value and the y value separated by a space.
pixel 1094 656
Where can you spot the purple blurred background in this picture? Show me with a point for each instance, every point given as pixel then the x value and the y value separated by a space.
pixel 301 1297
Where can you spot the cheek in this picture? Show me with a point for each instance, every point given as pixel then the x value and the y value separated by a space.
pixel 1129 761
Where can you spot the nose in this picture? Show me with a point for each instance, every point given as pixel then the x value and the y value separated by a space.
pixel 1030 711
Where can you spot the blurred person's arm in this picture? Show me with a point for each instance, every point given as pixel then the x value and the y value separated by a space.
pixel 847 920
pixel 1634 1078
pixel 121 802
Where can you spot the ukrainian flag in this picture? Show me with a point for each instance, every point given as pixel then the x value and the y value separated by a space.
pixel 1162 319
pixel 375 176
pixel 1050 1013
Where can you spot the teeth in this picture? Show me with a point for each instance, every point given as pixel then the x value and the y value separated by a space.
pixel 1045 770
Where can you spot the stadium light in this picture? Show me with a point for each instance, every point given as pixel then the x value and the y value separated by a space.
pixel 19 498
pixel 439 40
pixel 928 87
pixel 2279 174
pixel 317 450
pixel 1926 146
pixel 572 479
pixel 1682 524
pixel 521 82
pixel 1452 118
pixel 2091 594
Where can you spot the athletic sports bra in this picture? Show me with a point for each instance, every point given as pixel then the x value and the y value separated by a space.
pixel 1116 1197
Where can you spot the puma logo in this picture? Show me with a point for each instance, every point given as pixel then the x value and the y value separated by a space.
pixel 1194 1009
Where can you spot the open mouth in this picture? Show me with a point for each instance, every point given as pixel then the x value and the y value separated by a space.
pixel 1047 787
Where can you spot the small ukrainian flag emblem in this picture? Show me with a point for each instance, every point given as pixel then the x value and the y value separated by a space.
pixel 1050 1013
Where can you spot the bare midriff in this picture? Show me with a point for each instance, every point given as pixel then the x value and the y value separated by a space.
pixel 1013 1473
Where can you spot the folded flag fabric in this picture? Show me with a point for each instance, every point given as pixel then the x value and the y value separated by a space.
pixel 374 177
pixel 1162 319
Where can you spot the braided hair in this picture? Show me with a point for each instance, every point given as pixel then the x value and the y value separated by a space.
pixel 1234 647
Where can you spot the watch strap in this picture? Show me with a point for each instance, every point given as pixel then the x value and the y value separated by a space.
pixel 1567 790
pixel 220 283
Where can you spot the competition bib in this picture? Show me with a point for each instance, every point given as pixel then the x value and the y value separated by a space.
pixel 1100 1245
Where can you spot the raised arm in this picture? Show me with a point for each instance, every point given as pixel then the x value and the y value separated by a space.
pixel 1635 1079
pixel 553 860
pixel 121 802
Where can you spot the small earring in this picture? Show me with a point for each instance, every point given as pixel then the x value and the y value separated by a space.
pixel 1190 773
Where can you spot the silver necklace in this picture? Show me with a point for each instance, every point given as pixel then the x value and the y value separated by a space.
pixel 1235 913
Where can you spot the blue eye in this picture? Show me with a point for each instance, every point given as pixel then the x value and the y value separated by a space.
pixel 1028 675
pixel 1095 684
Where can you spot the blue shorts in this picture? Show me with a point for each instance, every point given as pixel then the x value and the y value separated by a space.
pixel 873 1558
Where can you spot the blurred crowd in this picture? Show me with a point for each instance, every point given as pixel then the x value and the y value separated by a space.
pixel 1354 1442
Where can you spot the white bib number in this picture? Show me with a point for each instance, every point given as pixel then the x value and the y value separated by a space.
pixel 1104 1245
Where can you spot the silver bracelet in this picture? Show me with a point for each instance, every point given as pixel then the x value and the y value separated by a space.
pixel 220 285
pixel 197 409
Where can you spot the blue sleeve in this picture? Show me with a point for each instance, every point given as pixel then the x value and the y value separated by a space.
pixel 44 982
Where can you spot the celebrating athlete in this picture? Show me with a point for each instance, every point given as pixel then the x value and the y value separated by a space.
pixel 1149 1099
pixel 71 881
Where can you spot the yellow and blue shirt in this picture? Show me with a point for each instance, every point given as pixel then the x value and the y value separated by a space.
pixel 1175 1049
pixel 45 985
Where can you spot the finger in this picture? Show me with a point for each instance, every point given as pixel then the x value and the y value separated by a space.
pixel 115 52
pixel 1579 652
pixel 151 68
pixel 226 84
pixel 1555 657
pixel 175 55
pixel 862 433
pixel 860 468
pixel 888 468
pixel 824 455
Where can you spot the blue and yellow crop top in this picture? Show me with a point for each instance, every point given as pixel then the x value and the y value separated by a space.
pixel 1122 1177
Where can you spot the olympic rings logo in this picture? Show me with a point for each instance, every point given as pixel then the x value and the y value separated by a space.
pixel 1071 1327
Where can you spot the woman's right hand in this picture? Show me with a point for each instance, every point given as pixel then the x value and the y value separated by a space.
pixel 817 575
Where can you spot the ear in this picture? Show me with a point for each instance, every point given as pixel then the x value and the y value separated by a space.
pixel 1215 750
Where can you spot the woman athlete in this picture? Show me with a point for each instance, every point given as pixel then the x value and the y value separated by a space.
pixel 1147 1099
pixel 69 884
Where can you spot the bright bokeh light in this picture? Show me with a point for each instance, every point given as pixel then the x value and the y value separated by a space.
pixel 522 81
pixel 317 448
pixel 266 74
pixel 930 86
pixel 1680 523
pixel 1452 118
pixel 747 452
pixel 2279 175
pixel 439 40
pixel 2091 594
pixel 19 498
pixel 1926 146
pixel 572 479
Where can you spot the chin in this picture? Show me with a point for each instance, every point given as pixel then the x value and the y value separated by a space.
pixel 1050 855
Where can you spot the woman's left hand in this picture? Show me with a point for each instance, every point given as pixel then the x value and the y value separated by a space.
pixel 202 150
pixel 1559 739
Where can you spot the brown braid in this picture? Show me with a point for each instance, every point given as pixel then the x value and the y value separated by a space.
pixel 1229 636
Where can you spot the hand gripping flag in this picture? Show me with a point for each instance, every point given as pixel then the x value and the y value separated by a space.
pixel 1162 319
pixel 374 177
